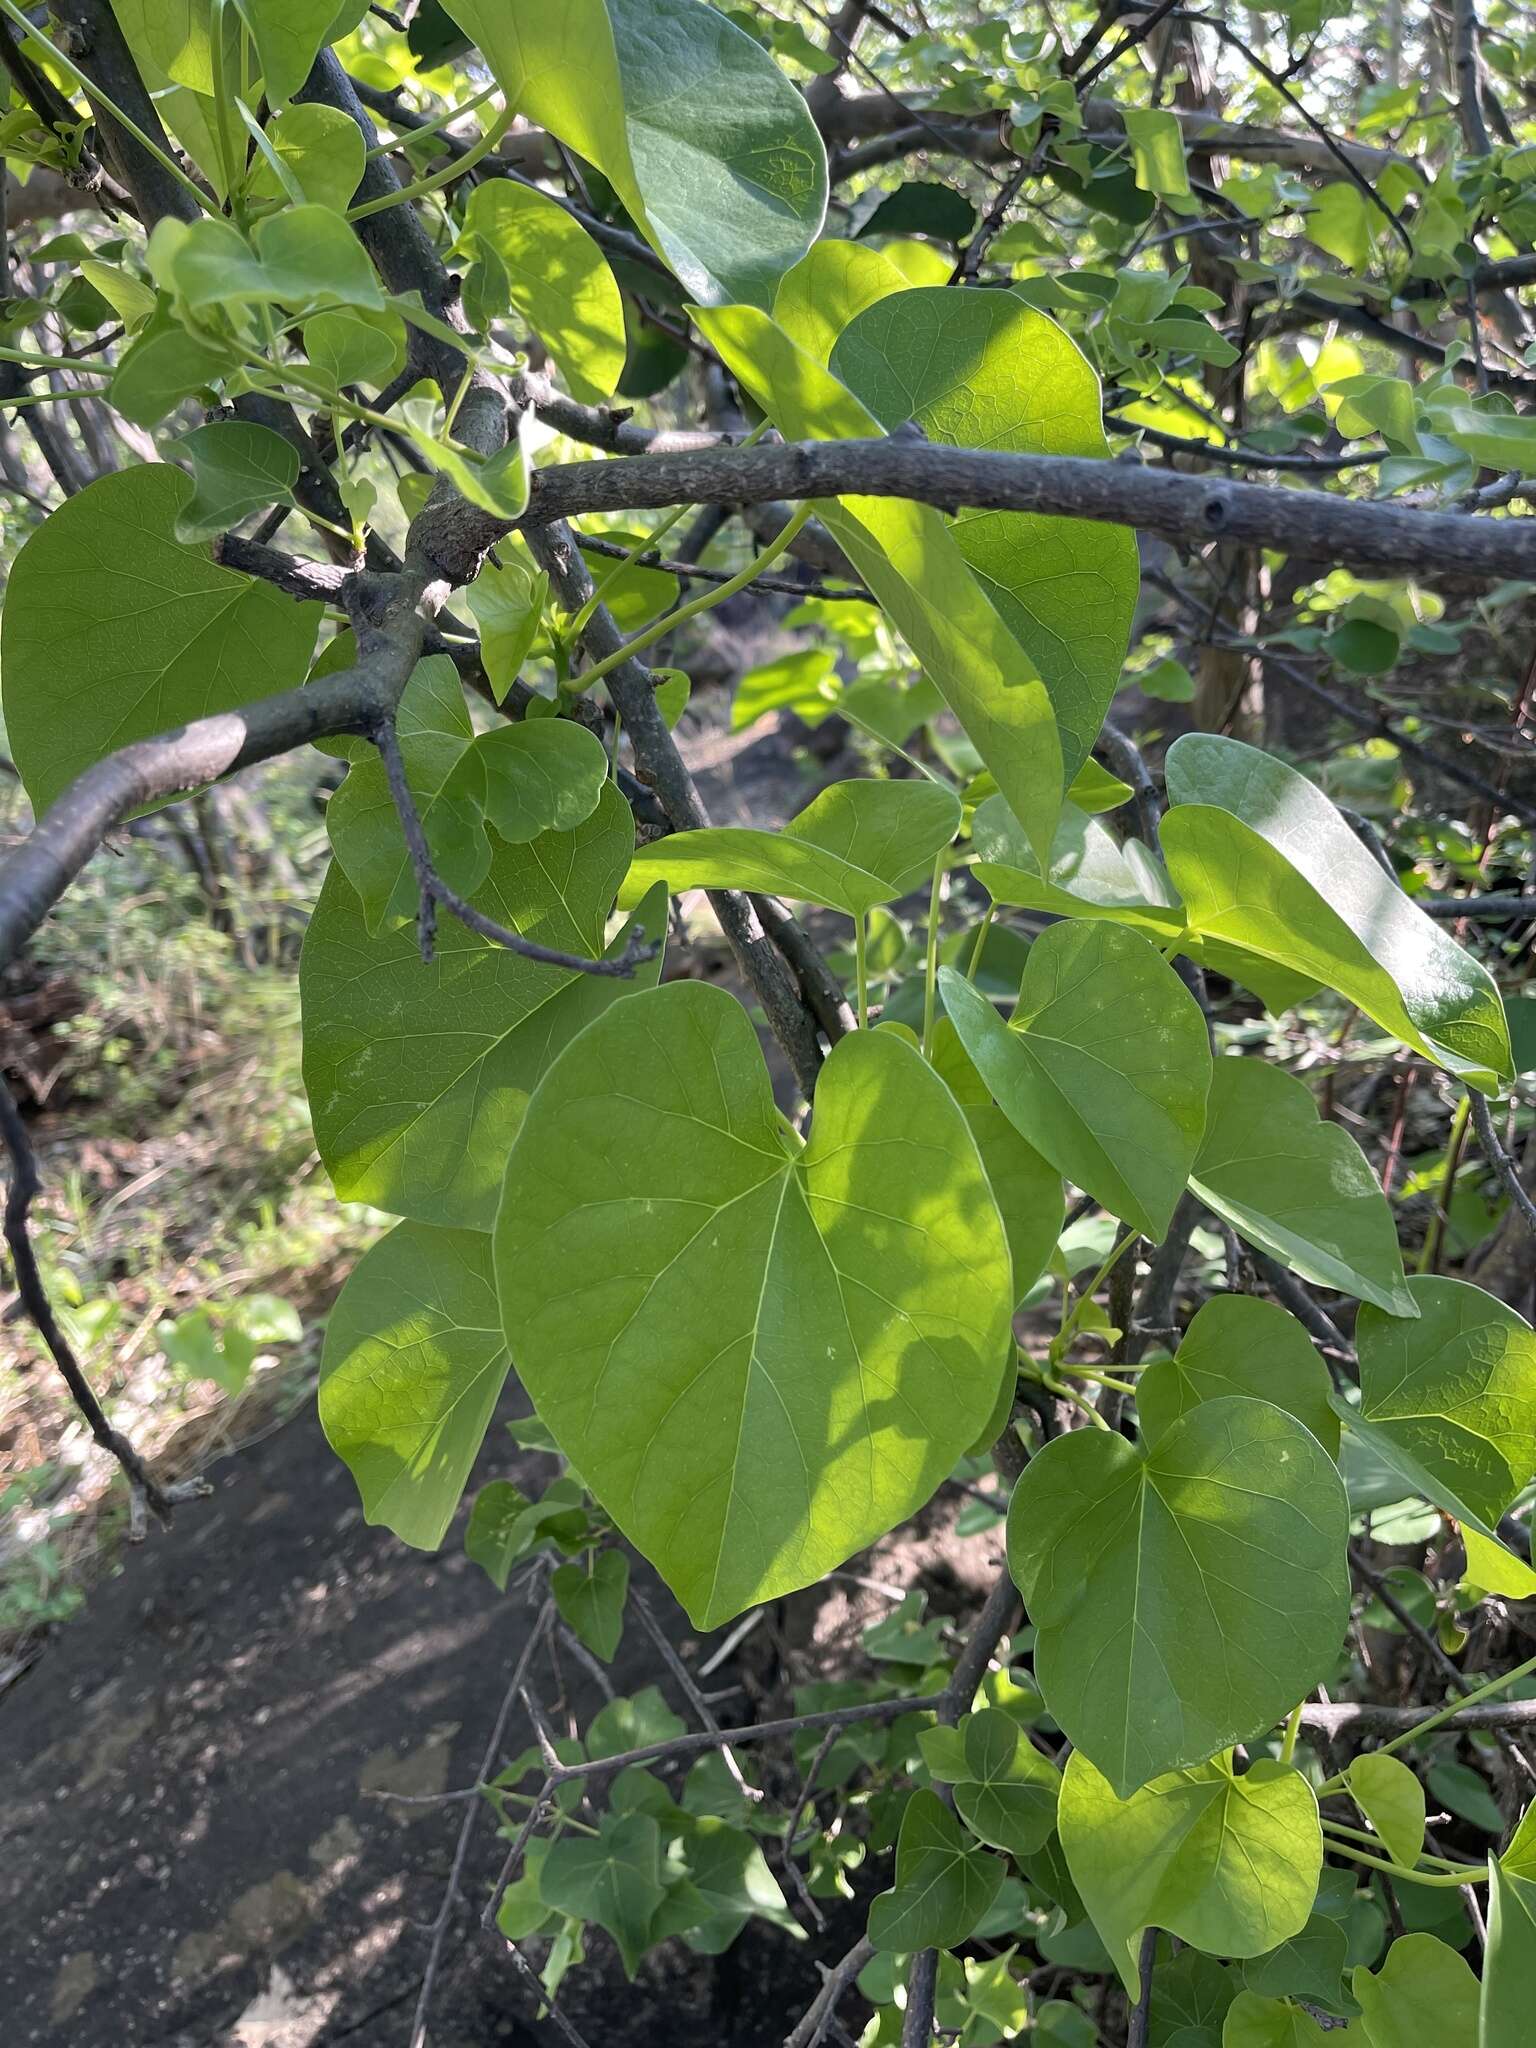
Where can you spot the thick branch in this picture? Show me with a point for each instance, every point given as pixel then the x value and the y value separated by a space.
pixel 1312 524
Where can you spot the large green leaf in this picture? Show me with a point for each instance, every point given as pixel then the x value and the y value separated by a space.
pixel 1237 1344
pixel 765 1356
pixel 556 277
pixel 1424 1992
pixel 944 1883
pixel 1186 1598
pixel 1298 1187
pixel 414 1360
pixel 832 282
pixel 1227 1863
pixel 1509 1968
pixel 856 845
pixel 418 1076
pixel 1455 1389
pixel 114 630
pixel 1263 859
pixel 706 142
pixel 908 557
pixel 1104 1067
pixel 985 370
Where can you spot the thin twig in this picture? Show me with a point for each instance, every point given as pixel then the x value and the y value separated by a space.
pixel 1500 1161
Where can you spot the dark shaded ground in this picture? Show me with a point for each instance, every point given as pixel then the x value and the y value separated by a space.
pixel 187 1824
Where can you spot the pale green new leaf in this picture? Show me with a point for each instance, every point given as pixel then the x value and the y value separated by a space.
pixel 418 1077
pixel 1186 1598
pixel 558 279
pixel 1240 1345
pixel 764 1356
pixel 1392 1800
pixel 908 557
pixel 237 468
pixel 832 283
pixel 857 845
pixel 289 35
pixel 985 370
pixel 1104 1068
pixel 944 1883
pixel 708 145
pixel 591 1598
pixel 1424 1992
pixel 1264 860
pixel 1456 1390
pixel 114 630
pixel 414 1361
pixel 1297 1187
pixel 1227 1863
pixel 322 150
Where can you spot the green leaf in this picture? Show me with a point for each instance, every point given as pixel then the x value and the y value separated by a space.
pixel 772 1355
pixel 494 1536
pixel 632 1723
pixel 1466 1794
pixel 985 369
pixel 729 1876
pixel 1392 1800
pixel 944 1883
pixel 1509 1965
pixel 1240 1345
pixel 1087 874
pixel 558 279
pixel 546 775
pixel 802 681
pixel 1157 151
pixel 289 34
pixel 1008 1796
pixel 613 1878
pixel 1310 1965
pixel 1190 1997
pixel 857 845
pixel 354 348
pixel 906 554
pixel 322 150
pixel 1093 789
pixel 160 368
pixel 1456 1390
pixel 1297 1187
pixel 1186 1598
pixel 1227 1863
pixel 832 282
pixel 711 149
pixel 418 1077
pixel 1028 1190
pixel 1423 1992
pixel 1275 869
pixel 1339 220
pixel 592 1601
pixel 114 630
pixel 1255 2022
pixel 305 256
pixel 238 468
pixel 1501 440
pixel 507 601
pixel 1104 1068
pixel 414 1361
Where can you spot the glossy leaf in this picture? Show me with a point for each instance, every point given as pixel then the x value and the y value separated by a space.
pixel 1237 1344
pixel 1392 1800
pixel 857 845
pixel 414 1361
pixel 591 1598
pixel 1229 1863
pixel 1186 1598
pixel 983 369
pixel 1104 1067
pixel 770 1355
pixel 1455 1389
pixel 114 630
pixel 1264 860
pixel 557 279
pixel 706 142
pixel 907 556
pixel 944 1883
pixel 418 1077
pixel 1424 1991
pixel 1297 1187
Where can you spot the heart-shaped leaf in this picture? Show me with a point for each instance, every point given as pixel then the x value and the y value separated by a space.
pixel 1423 1992
pixel 1187 1598
pixel 857 845
pixel 1297 1187
pixel 418 1076
pixel 238 468
pixel 414 1360
pixel 1104 1068
pixel 613 1877
pixel 1228 1863
pixel 591 1596
pixel 1008 1795
pixel 944 1883
pixel 769 1355
pixel 1392 1800
pixel 1265 861
pixel 1237 1344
